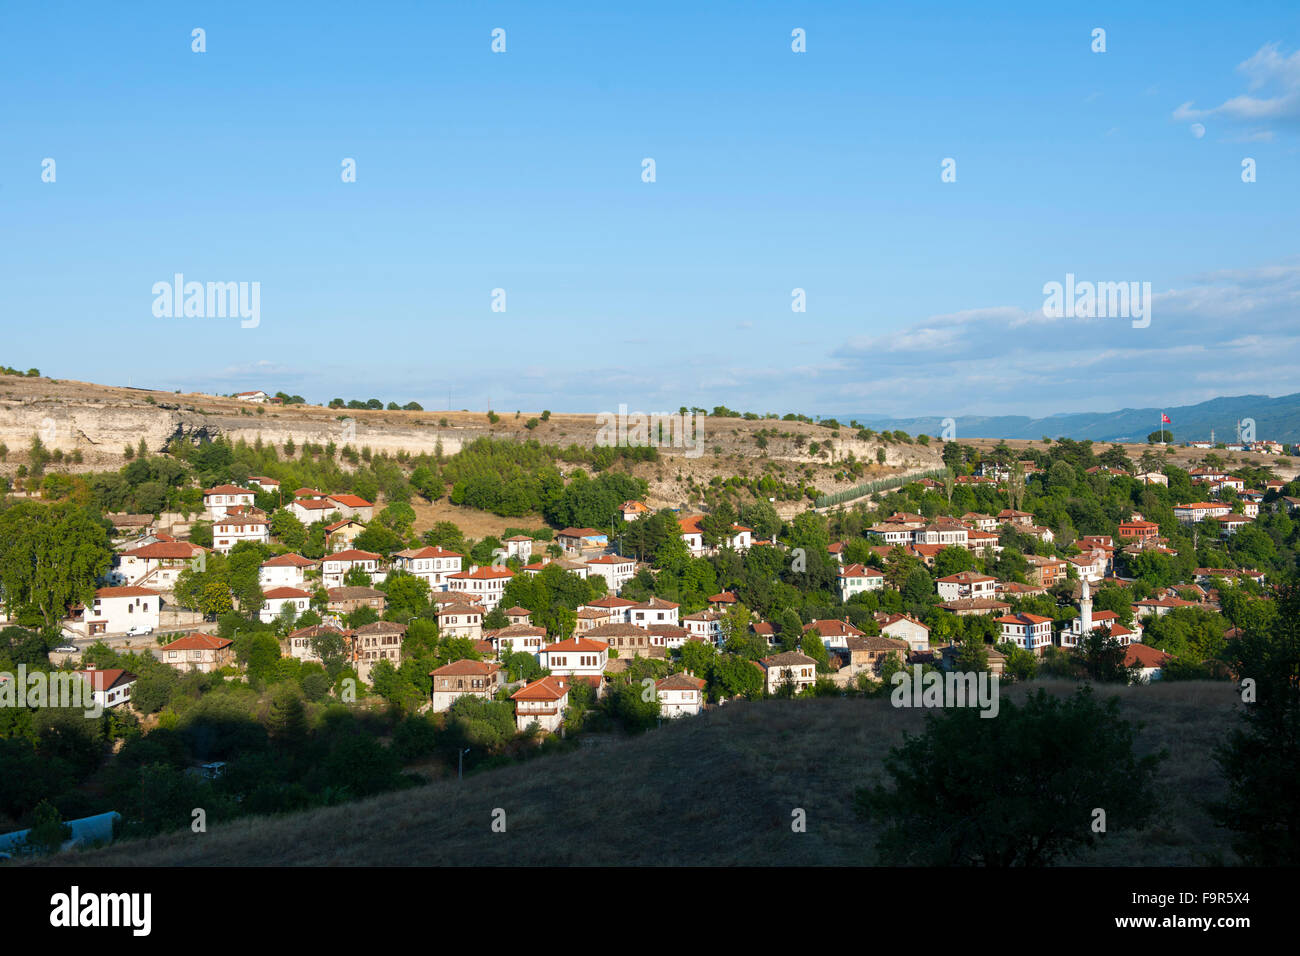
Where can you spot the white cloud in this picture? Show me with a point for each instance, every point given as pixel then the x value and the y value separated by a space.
pixel 1268 71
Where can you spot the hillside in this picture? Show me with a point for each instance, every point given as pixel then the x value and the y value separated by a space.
pixel 1275 418
pixel 99 421
pixel 713 790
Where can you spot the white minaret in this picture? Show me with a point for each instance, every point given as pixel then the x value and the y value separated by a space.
pixel 1085 610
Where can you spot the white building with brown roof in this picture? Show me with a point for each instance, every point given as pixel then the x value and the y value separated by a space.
pixel 857 579
pixel 239 526
pixel 116 610
pixel 275 600
pixel 284 571
pixel 432 565
pixel 486 584
pixel 790 668
pixel 156 565
pixel 372 643
pixel 654 611
pixel 680 695
pixel 576 657
pixel 461 619
pixel 615 569
pixel 627 640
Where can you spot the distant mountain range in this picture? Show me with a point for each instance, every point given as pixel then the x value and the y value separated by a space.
pixel 1275 418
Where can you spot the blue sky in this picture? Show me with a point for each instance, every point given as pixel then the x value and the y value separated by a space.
pixel 774 171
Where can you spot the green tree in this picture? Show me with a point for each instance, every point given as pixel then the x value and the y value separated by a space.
pixel 1018 789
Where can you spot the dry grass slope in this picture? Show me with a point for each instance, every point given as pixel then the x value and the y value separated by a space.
pixel 714 791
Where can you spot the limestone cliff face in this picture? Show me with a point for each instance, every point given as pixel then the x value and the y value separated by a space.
pixel 101 429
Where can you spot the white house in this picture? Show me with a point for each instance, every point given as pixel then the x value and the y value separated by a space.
pixel 1033 632
pixel 576 657
pixel 433 565
pixel 680 695
pixel 234 528
pixel 615 569
pixel 904 628
pixel 1200 510
pixel 258 397
pixel 276 599
pixel 217 501
pixel 967 584
pixel 705 624
pixel 486 583
pixel 284 571
pixel 311 510
pixel 654 611
pixel 116 610
pixel 334 567
pixel 156 565
pixel 519 546
pixel 109 687
pixel 1150 662
pixel 857 578
pixel 790 667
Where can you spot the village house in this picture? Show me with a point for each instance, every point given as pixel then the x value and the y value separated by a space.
pixel 788 669
pixel 311 510
pixel 835 634
pixel 335 567
pixel 1139 530
pixel 980 521
pixel 616 570
pixel 669 636
pixel 256 397
pixel 680 695
pixel 576 657
pixel 236 527
pixel 577 540
pixel 626 640
pixel 284 571
pixel 867 654
pixel 432 565
pixel 706 625
pixel 916 634
pixel 116 610
pixel 971 607
pixel 110 687
pixel 518 546
pixel 263 483
pixel 516 639
pixel 353 506
pixel 464 678
pixel 543 702
pixel 372 643
pixel 1148 661
pixel 346 599
pixel 1045 571
pixel 342 534
pixel 1159 607
pixel 204 653
pixel 1231 524
pixel 631 510
pixel 485 584
pixel 302 642
pixel 156 565
pixel 1199 511
pixel 462 619
pixel 693 535
pixel 858 578
pixel 966 584
pixel 277 599
pixel 1015 518
pixel 217 501
pixel 654 611
pixel 618 609
pixel 1029 631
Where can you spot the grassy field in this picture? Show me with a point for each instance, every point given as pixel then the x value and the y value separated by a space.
pixel 716 790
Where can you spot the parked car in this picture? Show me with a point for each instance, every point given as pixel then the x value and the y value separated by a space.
pixel 139 630
pixel 66 649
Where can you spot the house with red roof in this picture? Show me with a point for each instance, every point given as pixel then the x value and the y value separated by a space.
pixel 485 584
pixel 353 506
pixel 680 695
pixel 543 702
pixel 123 609
pixel 284 571
pixel 1033 632
pixel 110 687
pixel 432 565
pixel 277 599
pixel 156 565
pixel 1149 662
pixel 575 657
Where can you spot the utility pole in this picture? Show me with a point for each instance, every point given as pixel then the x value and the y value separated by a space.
pixel 460 764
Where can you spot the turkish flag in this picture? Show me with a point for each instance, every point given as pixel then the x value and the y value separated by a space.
pixel 1165 419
